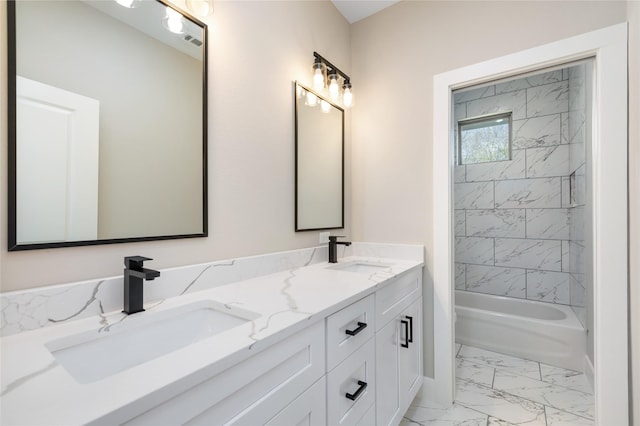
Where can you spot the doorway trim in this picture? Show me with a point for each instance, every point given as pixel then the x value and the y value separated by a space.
pixel 608 47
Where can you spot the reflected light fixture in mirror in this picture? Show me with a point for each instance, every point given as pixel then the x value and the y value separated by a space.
pixel 333 75
pixel 173 21
pixel 129 4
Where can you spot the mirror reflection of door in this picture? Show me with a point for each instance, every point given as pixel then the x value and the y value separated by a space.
pixel 57 164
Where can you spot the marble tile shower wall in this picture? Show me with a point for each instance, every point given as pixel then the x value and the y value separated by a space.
pixel 577 166
pixel 513 218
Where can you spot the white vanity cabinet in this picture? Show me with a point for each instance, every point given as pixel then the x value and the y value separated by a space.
pixel 361 365
pixel 398 349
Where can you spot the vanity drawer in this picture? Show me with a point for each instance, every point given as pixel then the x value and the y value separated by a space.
pixel 252 391
pixel 351 387
pixel 348 329
pixel 308 409
pixel 396 296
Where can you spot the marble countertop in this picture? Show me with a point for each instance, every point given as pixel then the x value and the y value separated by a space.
pixel 37 389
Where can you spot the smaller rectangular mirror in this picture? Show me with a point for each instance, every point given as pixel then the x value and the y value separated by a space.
pixel 319 130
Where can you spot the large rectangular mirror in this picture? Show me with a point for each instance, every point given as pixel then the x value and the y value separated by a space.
pixel 107 123
pixel 319 129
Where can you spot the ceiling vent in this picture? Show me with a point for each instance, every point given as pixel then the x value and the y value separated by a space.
pixel 193 40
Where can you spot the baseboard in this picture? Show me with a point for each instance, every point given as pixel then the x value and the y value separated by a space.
pixel 589 371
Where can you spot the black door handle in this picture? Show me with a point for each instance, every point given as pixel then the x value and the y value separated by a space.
pixel 406 334
pixel 356 394
pixel 410 338
pixel 361 326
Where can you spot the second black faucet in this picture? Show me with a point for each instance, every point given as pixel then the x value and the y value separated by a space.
pixel 333 247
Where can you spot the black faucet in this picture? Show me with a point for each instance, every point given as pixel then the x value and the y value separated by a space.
pixel 333 247
pixel 134 276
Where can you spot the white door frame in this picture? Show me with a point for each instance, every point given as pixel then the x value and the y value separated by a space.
pixel 608 47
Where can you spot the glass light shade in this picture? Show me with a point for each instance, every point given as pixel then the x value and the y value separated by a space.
pixel 325 106
pixel 347 96
pixel 173 21
pixel 200 7
pixel 129 4
pixel 334 89
pixel 318 76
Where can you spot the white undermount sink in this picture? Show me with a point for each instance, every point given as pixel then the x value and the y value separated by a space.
pixel 360 267
pixel 94 355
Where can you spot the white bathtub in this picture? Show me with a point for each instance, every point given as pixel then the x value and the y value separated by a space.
pixel 537 331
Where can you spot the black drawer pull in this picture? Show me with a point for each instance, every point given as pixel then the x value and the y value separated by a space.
pixel 354 396
pixel 406 334
pixel 410 339
pixel 361 326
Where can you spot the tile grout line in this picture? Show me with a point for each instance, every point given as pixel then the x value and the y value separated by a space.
pixel 544 409
pixel 493 380
pixel 540 371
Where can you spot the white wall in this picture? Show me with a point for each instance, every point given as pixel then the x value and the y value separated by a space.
pixel 396 53
pixel 257 49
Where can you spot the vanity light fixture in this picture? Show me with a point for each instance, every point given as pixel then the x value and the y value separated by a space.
pixel 173 21
pixel 200 7
pixel 333 75
pixel 347 96
pixel 334 89
pixel 318 75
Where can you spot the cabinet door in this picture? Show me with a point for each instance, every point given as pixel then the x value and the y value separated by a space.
pixel 387 374
pixel 411 357
pixel 309 409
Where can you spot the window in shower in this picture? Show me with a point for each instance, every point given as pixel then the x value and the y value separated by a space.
pixel 484 139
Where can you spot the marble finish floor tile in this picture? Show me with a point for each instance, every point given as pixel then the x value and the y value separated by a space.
pixel 434 415
pixel 476 373
pixel 503 362
pixel 502 405
pixel 490 390
pixel 570 400
pixel 563 377
pixel 557 417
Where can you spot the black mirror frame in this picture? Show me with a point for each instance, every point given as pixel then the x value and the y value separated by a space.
pixel 11 169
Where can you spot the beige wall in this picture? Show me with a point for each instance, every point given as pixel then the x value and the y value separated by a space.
pixel 257 49
pixel 633 15
pixel 396 53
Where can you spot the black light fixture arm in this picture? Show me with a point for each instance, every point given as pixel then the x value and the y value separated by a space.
pixel 320 58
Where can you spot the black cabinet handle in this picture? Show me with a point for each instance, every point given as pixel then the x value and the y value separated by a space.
pixel 410 338
pixel 406 334
pixel 361 326
pixel 354 396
